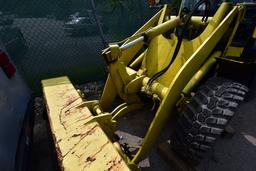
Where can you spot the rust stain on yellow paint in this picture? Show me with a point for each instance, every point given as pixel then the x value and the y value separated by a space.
pixel 79 145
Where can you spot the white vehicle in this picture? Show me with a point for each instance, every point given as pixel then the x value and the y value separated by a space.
pixel 16 118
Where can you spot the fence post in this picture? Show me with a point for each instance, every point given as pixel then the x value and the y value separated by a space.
pixel 104 42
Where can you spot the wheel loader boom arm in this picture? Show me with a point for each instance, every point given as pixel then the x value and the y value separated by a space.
pixel 170 94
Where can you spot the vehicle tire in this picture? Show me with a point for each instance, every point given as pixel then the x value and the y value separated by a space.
pixel 205 117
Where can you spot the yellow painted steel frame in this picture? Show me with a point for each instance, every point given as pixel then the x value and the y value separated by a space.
pixel 193 61
pixel 189 67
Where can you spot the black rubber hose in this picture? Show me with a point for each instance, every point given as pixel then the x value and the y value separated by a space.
pixel 177 48
pixel 206 11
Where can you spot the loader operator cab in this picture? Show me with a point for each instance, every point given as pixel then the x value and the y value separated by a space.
pixel 190 5
pixel 193 27
pixel 203 11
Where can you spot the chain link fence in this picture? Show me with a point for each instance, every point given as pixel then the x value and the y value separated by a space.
pixel 61 37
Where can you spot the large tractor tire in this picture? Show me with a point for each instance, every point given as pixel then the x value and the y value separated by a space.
pixel 205 117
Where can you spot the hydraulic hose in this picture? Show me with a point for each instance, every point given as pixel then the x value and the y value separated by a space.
pixel 180 37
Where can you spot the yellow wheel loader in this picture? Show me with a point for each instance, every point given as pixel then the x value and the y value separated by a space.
pixel 197 67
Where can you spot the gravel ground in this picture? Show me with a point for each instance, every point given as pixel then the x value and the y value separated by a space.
pixel 237 154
